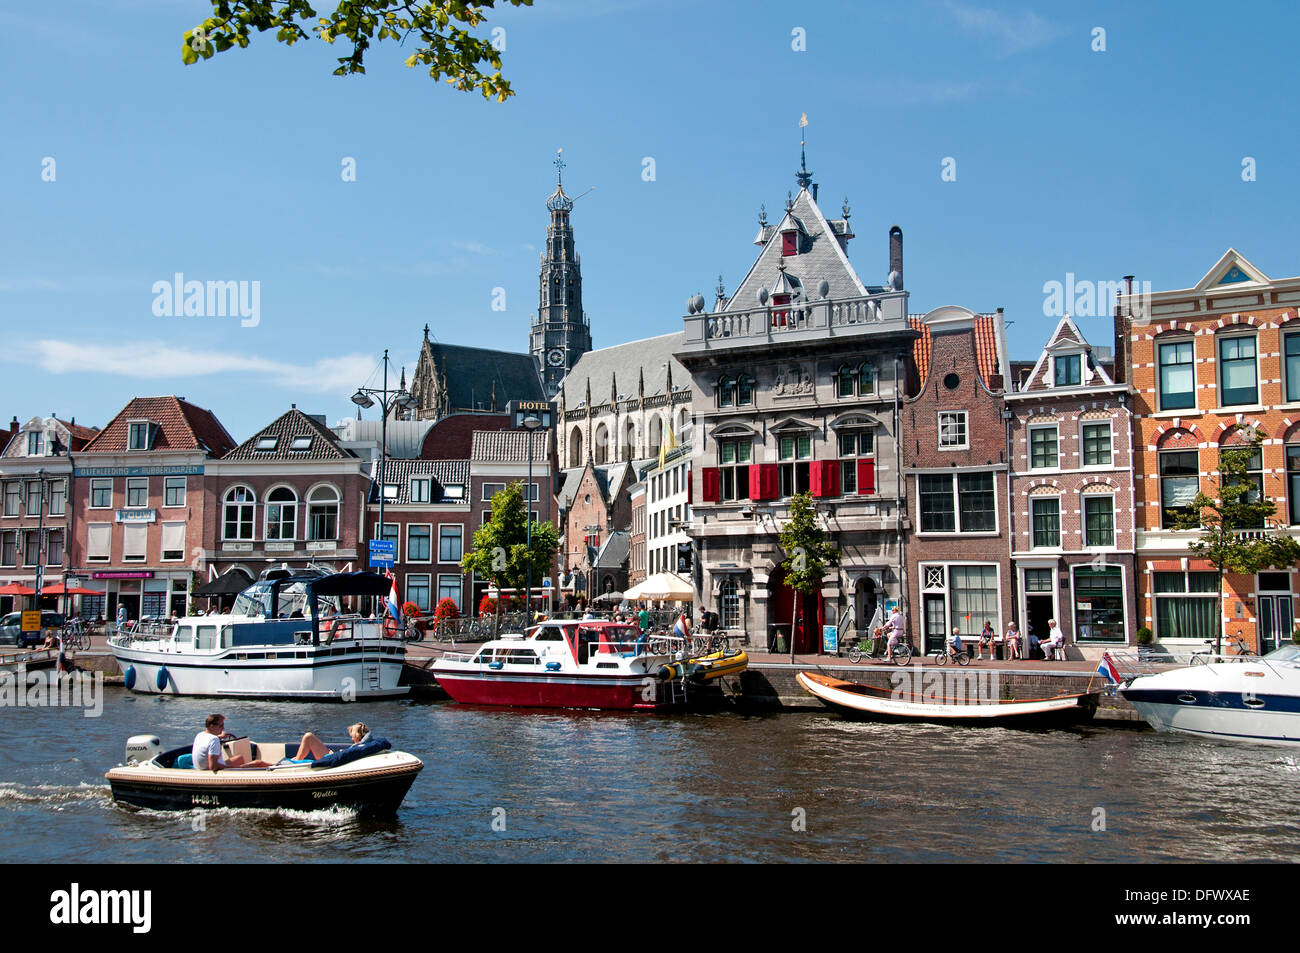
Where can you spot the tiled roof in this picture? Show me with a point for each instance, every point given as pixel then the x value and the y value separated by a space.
pixel 78 432
pixel 986 347
pixel 613 550
pixel 822 260
pixel 509 446
pixel 444 473
pixel 610 478
pixel 181 426
pixel 291 426
pixel 625 363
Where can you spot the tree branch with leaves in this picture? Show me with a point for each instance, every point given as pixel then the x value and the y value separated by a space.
pixel 446 47
pixel 501 553
pixel 808 554
pixel 1235 535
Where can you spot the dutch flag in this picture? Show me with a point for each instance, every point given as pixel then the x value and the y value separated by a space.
pixel 394 609
pixel 1108 669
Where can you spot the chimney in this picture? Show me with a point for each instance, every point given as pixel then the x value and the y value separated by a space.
pixel 1123 330
pixel 896 258
pixel 814 185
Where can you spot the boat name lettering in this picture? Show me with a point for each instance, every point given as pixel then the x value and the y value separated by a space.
pixel 324 793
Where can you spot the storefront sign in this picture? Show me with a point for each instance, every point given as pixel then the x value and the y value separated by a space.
pixel 279 546
pixel 136 516
pixel 236 547
pixel 124 574
pixel 318 545
pixel 136 471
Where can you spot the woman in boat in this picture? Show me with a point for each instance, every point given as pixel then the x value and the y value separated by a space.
pixel 313 749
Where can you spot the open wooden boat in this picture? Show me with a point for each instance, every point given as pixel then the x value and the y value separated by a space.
pixel 863 701
pixel 370 780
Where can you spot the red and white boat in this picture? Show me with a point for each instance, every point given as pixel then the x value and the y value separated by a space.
pixel 563 663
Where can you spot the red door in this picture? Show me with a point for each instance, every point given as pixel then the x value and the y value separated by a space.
pixel 808 627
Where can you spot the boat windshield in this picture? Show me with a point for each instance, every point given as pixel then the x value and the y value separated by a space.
pixel 1287 653
pixel 292 604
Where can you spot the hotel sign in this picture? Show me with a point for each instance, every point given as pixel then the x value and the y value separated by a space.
pixel 136 516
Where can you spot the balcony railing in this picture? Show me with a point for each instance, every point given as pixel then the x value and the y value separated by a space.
pixel 879 312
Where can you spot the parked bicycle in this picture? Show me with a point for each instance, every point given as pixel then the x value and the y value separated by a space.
pixel 74 635
pixel 1236 648
pixel 949 654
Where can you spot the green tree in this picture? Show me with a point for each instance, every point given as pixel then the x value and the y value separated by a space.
pixel 445 47
pixel 808 555
pixel 501 552
pixel 1233 522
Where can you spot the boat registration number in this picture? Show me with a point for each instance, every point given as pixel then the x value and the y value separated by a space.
pixel 207 799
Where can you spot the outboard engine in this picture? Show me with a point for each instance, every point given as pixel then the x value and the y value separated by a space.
pixel 140 748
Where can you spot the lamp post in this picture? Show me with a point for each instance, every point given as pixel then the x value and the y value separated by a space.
pixel 40 538
pixel 531 423
pixel 366 397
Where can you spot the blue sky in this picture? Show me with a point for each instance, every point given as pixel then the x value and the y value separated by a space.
pixel 1067 159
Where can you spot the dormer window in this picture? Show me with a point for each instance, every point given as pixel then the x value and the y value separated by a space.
pixel 453 491
pixel 1067 371
pixel 140 434
pixel 300 443
pixel 789 243
pixel 35 443
pixel 267 443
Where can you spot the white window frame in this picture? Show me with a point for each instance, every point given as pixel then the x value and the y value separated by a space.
pixel 267 503
pixel 964 420
pixel 1083 522
pixel 1060 530
pixel 459 581
pixel 131 426
pixel 407 551
pixel 428 588
pixel 137 481
pixel 169 483
pixel 456 526
pixel 426 483
pixel 1109 464
pixel 1029 447
pixel 97 483
pixel 59 482
pixel 1218 371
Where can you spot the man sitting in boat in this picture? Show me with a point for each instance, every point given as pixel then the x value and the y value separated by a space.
pixel 313 749
pixel 207 748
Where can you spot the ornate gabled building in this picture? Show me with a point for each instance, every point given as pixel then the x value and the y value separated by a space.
pixel 796 380
pixel 560 334
pixel 454 379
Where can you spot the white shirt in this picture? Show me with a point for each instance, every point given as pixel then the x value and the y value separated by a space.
pixel 206 746
pixel 1054 634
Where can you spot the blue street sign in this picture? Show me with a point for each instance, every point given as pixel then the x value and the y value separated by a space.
pixel 382 553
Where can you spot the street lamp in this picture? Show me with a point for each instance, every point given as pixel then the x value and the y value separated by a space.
pixel 531 423
pixel 40 538
pixel 364 398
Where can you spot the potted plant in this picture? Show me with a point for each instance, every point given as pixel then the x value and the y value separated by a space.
pixel 444 611
pixel 1295 636
pixel 1144 641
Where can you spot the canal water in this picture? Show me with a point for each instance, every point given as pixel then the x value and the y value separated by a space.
pixel 519 786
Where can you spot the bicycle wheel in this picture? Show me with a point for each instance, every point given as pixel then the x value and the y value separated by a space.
pixel 963 658
pixel 941 658
pixel 855 654
pixel 414 633
pixel 903 654
pixel 1199 658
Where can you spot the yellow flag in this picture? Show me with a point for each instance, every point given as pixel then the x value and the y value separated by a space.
pixel 803 120
pixel 669 444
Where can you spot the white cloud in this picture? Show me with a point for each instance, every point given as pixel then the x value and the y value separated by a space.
pixel 156 360
pixel 1012 32
pixel 474 248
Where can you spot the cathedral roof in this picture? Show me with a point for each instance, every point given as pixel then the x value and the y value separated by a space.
pixel 626 362
pixel 476 374
pixel 822 258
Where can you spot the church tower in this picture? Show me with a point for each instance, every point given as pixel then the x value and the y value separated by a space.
pixel 560 333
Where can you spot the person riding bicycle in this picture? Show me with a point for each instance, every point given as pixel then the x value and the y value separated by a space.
pixel 954 643
pixel 895 627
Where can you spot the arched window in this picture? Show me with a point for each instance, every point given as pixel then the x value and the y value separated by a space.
pixel 629 442
pixel 845 387
pixel 238 515
pixel 602 444
pixel 866 379
pixel 727 392
pixel 656 436
pixel 745 391
pixel 575 447
pixel 323 514
pixel 281 514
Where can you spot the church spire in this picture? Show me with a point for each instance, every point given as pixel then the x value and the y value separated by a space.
pixel 559 335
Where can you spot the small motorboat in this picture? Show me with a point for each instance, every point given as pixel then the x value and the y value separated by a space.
pixel 1249 699
pixel 705 668
pixel 864 701
pixel 367 778
pixel 562 663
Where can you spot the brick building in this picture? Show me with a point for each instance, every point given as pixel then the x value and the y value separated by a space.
pixel 596 511
pixel 955 469
pixel 1071 491
pixel 1212 365
pixel 35 519
pixel 290 495
pixel 139 506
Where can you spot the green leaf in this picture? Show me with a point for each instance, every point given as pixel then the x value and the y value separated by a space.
pixel 188 55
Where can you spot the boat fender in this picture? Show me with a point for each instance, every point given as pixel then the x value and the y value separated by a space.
pixel 666 673
pixel 164 677
pixel 495 664
pixel 553 666
pixel 128 677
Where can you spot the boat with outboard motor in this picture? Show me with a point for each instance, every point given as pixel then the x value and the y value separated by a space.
pixel 1241 698
pixel 368 778
pixel 286 636
pixel 563 663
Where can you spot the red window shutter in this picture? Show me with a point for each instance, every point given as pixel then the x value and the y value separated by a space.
pixel 818 479
pixel 763 481
pixel 710 485
pixel 789 243
pixel 690 488
pixel 866 477
pixel 831 480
